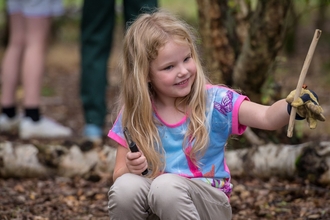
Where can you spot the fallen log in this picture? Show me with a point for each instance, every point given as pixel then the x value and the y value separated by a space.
pixel 309 160
pixel 28 160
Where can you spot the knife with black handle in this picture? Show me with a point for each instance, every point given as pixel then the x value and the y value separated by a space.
pixel 132 146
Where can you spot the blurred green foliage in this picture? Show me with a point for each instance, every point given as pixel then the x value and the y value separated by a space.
pixel 67 3
pixel 188 12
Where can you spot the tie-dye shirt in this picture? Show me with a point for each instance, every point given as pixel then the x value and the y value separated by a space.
pixel 221 120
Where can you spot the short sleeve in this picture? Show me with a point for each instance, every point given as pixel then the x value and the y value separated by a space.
pixel 116 132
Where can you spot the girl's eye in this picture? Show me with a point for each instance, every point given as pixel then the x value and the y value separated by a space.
pixel 187 59
pixel 168 67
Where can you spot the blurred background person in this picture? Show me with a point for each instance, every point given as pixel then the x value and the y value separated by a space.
pixel 97 27
pixel 29 27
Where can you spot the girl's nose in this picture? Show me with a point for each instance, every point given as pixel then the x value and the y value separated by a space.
pixel 183 71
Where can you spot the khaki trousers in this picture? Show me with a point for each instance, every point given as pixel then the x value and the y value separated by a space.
pixel 168 196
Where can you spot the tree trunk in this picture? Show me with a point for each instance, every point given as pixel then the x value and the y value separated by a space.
pixel 241 41
pixel 218 54
pixel 309 160
pixel 264 40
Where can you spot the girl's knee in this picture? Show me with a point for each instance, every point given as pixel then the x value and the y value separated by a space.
pixel 125 188
pixel 128 197
pixel 168 186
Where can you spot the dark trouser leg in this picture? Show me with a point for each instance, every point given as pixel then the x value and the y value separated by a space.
pixel 133 8
pixel 96 38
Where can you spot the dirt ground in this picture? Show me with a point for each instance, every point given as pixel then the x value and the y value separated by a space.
pixel 61 198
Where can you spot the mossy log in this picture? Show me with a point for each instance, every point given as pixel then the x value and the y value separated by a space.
pixel 310 161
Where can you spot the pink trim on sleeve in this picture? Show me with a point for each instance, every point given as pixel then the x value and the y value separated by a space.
pixel 114 136
pixel 236 127
pixel 117 138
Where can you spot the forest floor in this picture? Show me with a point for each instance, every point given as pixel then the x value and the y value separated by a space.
pixel 77 198
pixel 65 199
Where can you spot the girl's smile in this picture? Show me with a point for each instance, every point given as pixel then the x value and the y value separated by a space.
pixel 184 82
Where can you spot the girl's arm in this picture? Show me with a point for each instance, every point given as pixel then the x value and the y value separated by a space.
pixel 264 117
pixel 128 162
pixel 120 164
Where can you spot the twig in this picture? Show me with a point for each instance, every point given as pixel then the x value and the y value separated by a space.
pixel 301 80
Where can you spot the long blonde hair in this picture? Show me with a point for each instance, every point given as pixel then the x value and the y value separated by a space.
pixel 142 42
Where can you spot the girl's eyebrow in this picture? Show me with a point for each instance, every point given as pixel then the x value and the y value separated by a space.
pixel 170 63
pixel 165 65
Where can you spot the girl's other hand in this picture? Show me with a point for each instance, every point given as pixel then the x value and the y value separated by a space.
pixel 136 162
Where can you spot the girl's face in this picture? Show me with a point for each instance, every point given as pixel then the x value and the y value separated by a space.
pixel 173 71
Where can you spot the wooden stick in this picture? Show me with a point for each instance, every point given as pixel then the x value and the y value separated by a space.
pixel 301 80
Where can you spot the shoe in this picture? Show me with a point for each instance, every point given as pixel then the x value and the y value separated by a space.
pixel 44 128
pixel 8 124
pixel 93 133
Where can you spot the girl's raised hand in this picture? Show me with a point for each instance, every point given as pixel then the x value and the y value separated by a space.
pixel 307 105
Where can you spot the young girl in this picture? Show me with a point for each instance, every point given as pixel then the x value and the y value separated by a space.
pixel 180 124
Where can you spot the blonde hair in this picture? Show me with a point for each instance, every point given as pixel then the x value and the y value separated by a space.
pixel 143 39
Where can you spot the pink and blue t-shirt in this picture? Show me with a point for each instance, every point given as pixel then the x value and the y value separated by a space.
pixel 221 121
